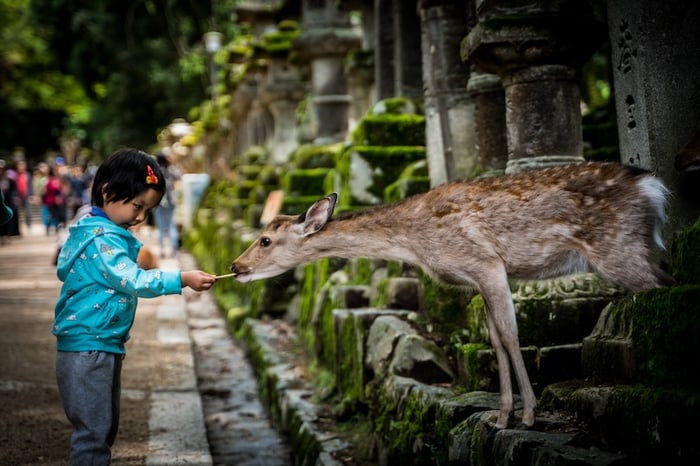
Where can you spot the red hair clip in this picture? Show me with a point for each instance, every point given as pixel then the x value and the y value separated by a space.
pixel 151 178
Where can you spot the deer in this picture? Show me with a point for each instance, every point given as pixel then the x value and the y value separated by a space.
pixel 600 217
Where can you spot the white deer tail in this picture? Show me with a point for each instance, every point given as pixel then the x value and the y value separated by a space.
pixel 657 194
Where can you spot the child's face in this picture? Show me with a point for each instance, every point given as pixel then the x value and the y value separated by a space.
pixel 130 213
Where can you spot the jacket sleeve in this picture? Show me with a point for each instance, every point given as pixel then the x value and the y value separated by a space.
pixel 122 272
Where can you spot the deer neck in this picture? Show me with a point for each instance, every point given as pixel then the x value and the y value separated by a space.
pixel 374 234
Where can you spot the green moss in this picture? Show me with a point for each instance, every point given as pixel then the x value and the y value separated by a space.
pixel 235 316
pixel 301 439
pixel 648 424
pixel 295 205
pixel 249 172
pixel 445 305
pixel 397 106
pixel 280 41
pixel 407 428
pixel 308 294
pixel 475 370
pixel 406 187
pixel 316 156
pixel 304 182
pixel 255 155
pixel 685 252
pixel 327 331
pixel 314 276
pixel 360 271
pixel 350 359
pixel 390 130
pixel 324 379
pixel 386 165
pixel 269 176
pixel 665 333
pixel 476 329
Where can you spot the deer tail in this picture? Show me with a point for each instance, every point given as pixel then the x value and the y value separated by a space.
pixel 654 190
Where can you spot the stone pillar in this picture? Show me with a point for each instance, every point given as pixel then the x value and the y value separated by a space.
pixel 384 49
pixel 360 68
pixel 360 71
pixel 325 40
pixel 536 48
pixel 486 90
pixel 543 117
pixel 282 92
pixel 657 92
pixel 252 119
pixel 407 43
pixel 259 124
pixel 239 108
pixel 449 112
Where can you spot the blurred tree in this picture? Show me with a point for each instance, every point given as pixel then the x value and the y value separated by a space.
pixel 108 73
pixel 35 98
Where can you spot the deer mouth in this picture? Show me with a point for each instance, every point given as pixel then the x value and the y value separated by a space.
pixel 244 277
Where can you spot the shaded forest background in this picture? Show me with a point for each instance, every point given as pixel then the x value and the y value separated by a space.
pixel 100 73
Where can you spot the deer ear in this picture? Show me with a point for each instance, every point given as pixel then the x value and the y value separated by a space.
pixel 318 214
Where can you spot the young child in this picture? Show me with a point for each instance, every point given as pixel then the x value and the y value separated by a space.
pixel 101 286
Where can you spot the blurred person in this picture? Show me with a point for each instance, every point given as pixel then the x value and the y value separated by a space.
pixel 5 211
pixel 55 201
pixel 60 165
pixel 75 185
pixel 165 212
pixel 25 190
pixel 39 179
pixel 98 301
pixel 8 187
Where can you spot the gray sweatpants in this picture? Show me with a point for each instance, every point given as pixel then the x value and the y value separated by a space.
pixel 90 385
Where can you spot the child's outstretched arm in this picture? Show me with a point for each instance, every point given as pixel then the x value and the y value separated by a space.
pixel 197 280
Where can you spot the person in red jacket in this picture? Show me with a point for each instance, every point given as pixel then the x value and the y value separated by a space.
pixel 55 201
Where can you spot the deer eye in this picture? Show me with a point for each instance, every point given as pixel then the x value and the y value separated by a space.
pixel 265 241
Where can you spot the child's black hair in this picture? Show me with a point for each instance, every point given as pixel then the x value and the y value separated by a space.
pixel 124 175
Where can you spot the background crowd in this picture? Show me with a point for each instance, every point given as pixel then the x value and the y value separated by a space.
pixel 54 190
pixel 50 193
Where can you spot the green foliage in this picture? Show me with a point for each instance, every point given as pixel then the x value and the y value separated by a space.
pixel 390 130
pixel 34 95
pixel 106 73
pixel 685 251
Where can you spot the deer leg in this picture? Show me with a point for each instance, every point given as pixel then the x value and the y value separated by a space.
pixel 502 323
pixel 504 382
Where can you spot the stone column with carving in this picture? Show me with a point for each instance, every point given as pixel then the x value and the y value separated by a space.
pixel 656 66
pixel 449 111
pixel 536 48
pixel 325 40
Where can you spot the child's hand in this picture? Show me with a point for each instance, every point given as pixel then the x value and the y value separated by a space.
pixel 197 280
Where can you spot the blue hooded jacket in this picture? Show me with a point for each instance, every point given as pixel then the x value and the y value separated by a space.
pixel 101 286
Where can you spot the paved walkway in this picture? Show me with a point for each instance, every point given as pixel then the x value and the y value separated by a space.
pixel 178 343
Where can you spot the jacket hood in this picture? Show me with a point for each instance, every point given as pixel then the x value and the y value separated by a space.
pixel 82 233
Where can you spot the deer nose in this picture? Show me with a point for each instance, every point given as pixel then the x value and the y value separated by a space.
pixel 233 267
